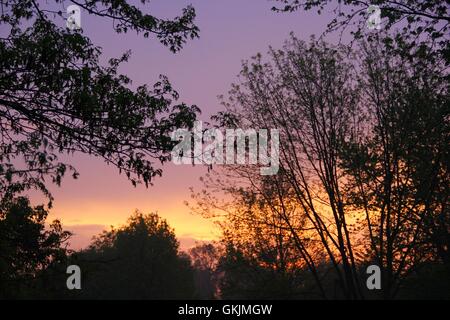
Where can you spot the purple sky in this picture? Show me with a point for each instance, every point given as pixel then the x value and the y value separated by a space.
pixel 230 31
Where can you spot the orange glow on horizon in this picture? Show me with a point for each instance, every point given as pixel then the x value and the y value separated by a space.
pixel 88 219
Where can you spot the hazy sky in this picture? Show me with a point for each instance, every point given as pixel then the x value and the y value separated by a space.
pixel 230 31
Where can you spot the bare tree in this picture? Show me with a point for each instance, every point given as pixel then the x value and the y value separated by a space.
pixel 322 99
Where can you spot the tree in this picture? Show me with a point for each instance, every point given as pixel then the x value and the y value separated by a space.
pixel 28 249
pixel 418 23
pixel 307 93
pixel 361 161
pixel 205 258
pixel 421 16
pixel 56 97
pixel 398 173
pixel 137 261
pixel 262 256
pixel 247 277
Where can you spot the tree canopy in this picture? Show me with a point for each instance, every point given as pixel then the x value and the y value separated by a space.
pixel 28 248
pixel 139 260
pixel 363 172
pixel 56 97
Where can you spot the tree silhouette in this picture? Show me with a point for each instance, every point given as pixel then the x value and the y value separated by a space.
pixel 27 248
pixel 421 16
pixel 56 97
pixel 205 259
pixel 137 261
pixel 398 174
pixel 418 24
pixel 362 172
pixel 251 272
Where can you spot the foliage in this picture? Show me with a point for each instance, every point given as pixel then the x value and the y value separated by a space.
pixel 57 97
pixel 363 173
pixel 137 261
pixel 28 248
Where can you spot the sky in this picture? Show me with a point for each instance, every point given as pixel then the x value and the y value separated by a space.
pixel 230 31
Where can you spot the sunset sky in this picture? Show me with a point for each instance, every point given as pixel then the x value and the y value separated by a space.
pixel 230 31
